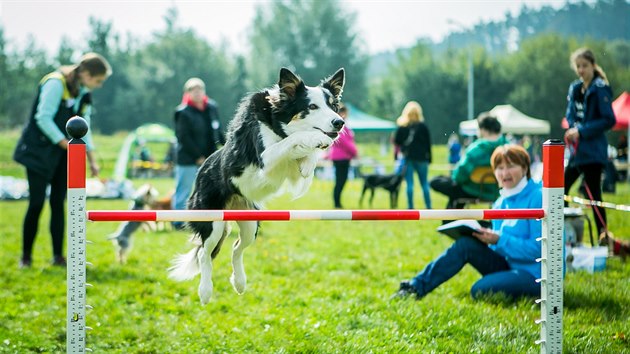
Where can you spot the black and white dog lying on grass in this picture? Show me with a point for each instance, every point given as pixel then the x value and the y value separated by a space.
pixel 273 142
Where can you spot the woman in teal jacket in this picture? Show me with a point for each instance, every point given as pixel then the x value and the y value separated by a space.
pixel 590 115
pixel 42 147
pixel 504 255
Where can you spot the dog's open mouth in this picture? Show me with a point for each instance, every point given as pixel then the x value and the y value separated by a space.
pixel 332 135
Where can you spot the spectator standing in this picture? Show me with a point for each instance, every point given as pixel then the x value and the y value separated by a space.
pixel 477 154
pixel 198 132
pixel 589 114
pixel 42 147
pixel 412 135
pixel 341 153
pixel 504 255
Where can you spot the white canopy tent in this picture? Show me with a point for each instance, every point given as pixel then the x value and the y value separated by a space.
pixel 512 121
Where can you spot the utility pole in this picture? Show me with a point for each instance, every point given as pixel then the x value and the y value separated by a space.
pixel 471 73
pixel 471 86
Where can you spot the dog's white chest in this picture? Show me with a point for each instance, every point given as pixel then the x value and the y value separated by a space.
pixel 259 184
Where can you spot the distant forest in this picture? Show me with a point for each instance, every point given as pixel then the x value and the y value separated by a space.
pixel 522 60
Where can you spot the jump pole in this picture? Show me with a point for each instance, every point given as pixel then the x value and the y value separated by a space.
pixel 552 242
pixel 551 239
pixel 76 224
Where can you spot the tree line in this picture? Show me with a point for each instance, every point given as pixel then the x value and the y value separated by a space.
pixel 148 76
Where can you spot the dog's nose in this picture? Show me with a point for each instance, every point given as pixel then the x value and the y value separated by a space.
pixel 337 123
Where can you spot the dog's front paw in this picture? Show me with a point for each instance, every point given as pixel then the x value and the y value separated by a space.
pixel 307 166
pixel 317 140
pixel 239 282
pixel 205 292
pixel 325 142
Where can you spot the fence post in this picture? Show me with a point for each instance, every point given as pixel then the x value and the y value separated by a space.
pixel 76 224
pixel 552 268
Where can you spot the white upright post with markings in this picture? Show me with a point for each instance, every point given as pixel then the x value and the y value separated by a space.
pixel 551 300
pixel 76 224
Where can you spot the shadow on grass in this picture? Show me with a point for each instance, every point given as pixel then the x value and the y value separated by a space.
pixel 603 302
pixel 116 272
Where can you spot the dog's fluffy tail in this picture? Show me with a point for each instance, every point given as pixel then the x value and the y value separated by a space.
pixel 185 266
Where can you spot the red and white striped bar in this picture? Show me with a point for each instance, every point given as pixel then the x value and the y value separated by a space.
pixel 286 215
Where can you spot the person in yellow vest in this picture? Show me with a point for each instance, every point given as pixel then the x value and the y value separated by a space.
pixel 42 146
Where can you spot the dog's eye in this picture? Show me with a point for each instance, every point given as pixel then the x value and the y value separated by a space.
pixel 313 106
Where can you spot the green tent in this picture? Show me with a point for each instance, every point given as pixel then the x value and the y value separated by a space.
pixel 370 128
pixel 147 133
pixel 361 122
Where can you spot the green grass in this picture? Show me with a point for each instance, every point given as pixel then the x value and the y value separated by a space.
pixel 313 287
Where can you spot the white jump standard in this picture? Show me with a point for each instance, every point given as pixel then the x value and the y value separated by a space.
pixel 551 300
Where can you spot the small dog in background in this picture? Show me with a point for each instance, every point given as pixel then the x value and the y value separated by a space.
pixel 616 247
pixel 164 203
pixel 390 183
pixel 143 198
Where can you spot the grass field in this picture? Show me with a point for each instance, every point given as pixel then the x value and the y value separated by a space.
pixel 313 287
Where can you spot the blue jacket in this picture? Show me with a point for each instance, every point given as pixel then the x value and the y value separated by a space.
pixel 598 118
pixel 517 238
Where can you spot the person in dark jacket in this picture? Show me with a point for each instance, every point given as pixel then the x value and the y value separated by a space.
pixel 414 140
pixel 42 146
pixel 198 133
pixel 589 114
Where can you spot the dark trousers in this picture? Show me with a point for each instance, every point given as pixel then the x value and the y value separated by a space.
pixel 496 272
pixel 37 185
pixel 452 190
pixel 592 178
pixel 341 176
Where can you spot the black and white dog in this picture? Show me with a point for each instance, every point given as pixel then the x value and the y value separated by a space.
pixel 273 141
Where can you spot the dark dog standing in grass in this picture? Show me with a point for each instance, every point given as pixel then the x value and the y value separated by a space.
pixel 390 183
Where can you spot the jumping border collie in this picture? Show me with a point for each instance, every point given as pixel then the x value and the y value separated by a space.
pixel 273 142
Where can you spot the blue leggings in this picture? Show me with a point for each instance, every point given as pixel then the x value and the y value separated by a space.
pixel 497 275
pixel 184 181
pixel 422 169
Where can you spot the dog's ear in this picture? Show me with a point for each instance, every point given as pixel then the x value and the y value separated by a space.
pixel 289 83
pixel 335 83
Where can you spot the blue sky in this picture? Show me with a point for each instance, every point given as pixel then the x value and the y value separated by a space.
pixel 384 25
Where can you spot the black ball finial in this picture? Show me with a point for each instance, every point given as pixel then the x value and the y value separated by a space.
pixel 77 127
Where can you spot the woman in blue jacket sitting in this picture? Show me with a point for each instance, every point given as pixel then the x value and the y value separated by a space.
pixel 504 255
pixel 590 115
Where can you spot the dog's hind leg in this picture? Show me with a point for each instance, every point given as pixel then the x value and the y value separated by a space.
pixel 365 187
pixel 205 256
pixel 247 235
pixel 371 196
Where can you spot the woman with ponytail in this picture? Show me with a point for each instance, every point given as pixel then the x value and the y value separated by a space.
pixel 589 114
pixel 42 147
